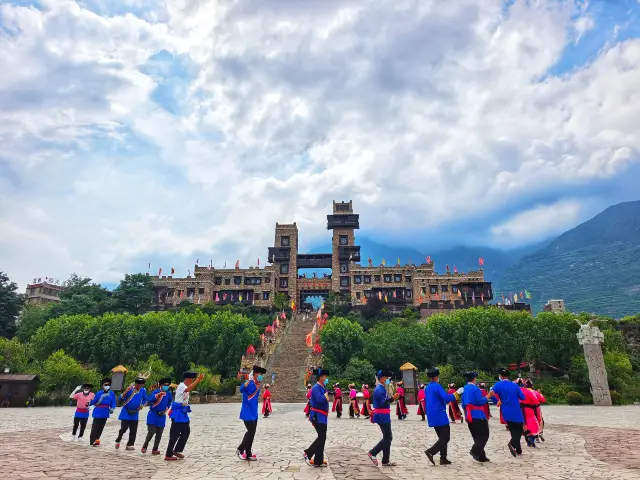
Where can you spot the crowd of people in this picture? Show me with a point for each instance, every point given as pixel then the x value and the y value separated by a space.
pixel 518 402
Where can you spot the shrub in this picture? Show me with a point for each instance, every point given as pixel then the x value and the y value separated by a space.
pixel 617 398
pixel 574 398
pixel 227 387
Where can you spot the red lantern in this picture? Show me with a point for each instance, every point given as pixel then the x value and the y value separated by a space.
pixel 326 317
pixel 268 330
pixel 317 349
pixel 251 350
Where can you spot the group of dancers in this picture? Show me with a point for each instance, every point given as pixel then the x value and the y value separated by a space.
pixel 518 402
pixel 161 402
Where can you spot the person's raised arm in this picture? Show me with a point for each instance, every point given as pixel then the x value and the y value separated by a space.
pixel 195 383
pixel 73 394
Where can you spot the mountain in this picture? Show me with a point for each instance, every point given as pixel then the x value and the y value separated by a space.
pixel 464 258
pixel 594 267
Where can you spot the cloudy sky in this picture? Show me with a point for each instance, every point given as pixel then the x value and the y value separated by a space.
pixel 168 130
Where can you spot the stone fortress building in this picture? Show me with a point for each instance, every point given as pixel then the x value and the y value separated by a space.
pixel 397 285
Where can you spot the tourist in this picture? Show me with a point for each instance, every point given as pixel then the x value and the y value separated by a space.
pixel 354 408
pixel 454 408
pixel 179 415
pixel 319 415
pixel 473 405
pixel 159 401
pixel 250 391
pixel 307 407
pixel 133 399
pixel 266 402
pixel 421 402
pixel 273 378
pixel 401 407
pixel 337 400
pixel 530 411
pixel 436 399
pixel 104 404
pixel 509 396
pixel 366 401
pixel 541 399
pixel 81 416
pixel 382 416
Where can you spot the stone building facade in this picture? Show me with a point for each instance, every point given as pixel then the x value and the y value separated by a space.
pixel 397 285
pixel 42 293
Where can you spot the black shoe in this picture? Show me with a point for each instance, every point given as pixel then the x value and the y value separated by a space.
pixel 541 437
pixel 429 456
pixel 511 449
pixel 475 457
pixel 483 460
pixel 444 461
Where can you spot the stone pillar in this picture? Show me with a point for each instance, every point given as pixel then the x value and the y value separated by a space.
pixel 590 337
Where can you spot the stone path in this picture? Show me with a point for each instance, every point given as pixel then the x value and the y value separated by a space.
pixel 582 443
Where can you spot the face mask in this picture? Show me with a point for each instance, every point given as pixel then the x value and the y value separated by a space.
pixel 326 381
pixel 387 382
pixel 86 392
pixel 259 378
pixel 106 387
pixel 165 388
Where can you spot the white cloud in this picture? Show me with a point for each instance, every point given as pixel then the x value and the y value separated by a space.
pixel 422 112
pixel 537 223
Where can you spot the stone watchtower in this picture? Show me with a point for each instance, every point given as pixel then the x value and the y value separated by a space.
pixel 284 255
pixel 591 338
pixel 345 253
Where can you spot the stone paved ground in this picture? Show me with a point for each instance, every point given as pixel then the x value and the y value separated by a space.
pixel 582 443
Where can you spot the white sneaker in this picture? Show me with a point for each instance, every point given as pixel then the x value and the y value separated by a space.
pixel 73 438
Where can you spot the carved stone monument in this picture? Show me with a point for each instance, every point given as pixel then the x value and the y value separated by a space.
pixel 590 337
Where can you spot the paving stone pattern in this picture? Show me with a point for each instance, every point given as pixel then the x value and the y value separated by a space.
pixel 582 443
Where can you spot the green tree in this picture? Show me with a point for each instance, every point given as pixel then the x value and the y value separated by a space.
pixel 359 371
pixel 10 304
pixel 280 301
pixel 134 294
pixel 77 304
pixel 14 355
pixel 159 369
pixel 31 319
pixel 341 339
pixel 67 332
pixel 61 373
pixel 77 285
pixel 390 344
pixel 337 304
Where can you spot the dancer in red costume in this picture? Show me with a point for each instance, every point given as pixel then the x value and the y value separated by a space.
pixel 266 402
pixel 531 412
pixel 354 408
pixel 454 409
pixel 421 402
pixel 337 400
pixel 366 401
pixel 307 407
pixel 541 400
pixel 401 406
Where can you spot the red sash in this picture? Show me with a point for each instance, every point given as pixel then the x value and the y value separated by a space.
pixel 320 411
pixel 381 411
pixel 103 405
pixel 249 397
pixel 82 410
pixel 470 408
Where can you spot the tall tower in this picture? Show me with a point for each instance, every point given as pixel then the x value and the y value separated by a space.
pixel 343 222
pixel 284 255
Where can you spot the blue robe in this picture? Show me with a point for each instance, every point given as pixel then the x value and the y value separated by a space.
pixel 157 414
pixel 104 402
pixel 437 399
pixel 381 400
pixel 319 412
pixel 473 396
pixel 250 398
pixel 510 395
pixel 130 403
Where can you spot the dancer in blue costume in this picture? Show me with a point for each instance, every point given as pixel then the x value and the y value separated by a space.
pixel 180 428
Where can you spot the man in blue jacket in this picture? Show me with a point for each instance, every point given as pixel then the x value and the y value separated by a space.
pixel 159 401
pixel 133 399
pixel 250 390
pixel 473 407
pixel 318 415
pixel 437 399
pixel 104 403
pixel 510 396
pixel 382 416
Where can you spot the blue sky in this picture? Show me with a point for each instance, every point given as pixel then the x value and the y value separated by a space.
pixel 162 131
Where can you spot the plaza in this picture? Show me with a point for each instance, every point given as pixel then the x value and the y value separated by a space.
pixel 581 443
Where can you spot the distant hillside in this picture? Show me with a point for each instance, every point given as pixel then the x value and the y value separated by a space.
pixel 465 258
pixel 595 267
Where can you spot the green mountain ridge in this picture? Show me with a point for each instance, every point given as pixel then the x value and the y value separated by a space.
pixel 594 267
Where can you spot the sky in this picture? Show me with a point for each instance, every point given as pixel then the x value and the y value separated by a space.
pixel 165 131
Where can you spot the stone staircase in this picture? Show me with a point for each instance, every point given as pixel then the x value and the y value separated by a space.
pixel 289 362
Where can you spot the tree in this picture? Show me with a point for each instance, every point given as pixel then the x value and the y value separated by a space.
pixel 13 355
pixel 77 285
pixel 341 339
pixel 10 304
pixel 31 319
pixel 337 304
pixel 159 369
pixel 77 304
pixel 134 294
pixel 280 301
pixel 359 371
pixel 61 373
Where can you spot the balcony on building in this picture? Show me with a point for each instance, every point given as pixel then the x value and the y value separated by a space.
pixel 343 221
pixel 279 254
pixel 314 260
pixel 349 253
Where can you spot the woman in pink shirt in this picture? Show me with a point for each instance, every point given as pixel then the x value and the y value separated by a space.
pixel 82 395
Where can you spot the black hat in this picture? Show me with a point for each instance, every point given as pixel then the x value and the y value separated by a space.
pixel 528 383
pixel 140 380
pixel 503 372
pixel 433 372
pixel 319 372
pixel 469 375
pixel 164 380
pixel 519 381
pixel 87 385
pixel 190 374
pixel 259 370
pixel 383 373
pixel 106 380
